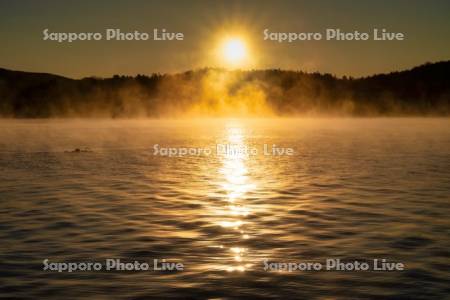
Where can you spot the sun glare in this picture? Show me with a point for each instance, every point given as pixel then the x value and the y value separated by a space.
pixel 234 51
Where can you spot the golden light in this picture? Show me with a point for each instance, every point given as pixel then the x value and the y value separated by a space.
pixel 234 51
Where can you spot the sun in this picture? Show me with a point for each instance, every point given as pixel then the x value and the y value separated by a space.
pixel 234 51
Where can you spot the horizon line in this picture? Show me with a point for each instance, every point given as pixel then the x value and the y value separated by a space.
pixel 233 70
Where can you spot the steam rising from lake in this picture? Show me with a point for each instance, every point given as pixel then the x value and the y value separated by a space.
pixel 421 91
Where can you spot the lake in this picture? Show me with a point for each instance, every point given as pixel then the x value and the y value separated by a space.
pixel 234 201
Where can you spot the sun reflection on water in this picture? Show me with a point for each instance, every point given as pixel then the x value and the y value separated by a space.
pixel 236 183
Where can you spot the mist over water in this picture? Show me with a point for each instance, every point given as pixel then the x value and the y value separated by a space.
pixel 355 189
pixel 421 91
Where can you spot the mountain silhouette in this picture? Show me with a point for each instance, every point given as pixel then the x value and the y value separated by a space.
pixel 423 90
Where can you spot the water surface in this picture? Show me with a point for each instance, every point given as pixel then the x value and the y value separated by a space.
pixel 355 189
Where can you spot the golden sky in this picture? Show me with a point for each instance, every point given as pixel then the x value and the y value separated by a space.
pixel 206 26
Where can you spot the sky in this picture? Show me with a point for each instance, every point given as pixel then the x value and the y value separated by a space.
pixel 426 25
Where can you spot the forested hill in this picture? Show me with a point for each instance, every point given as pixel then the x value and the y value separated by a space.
pixel 423 90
